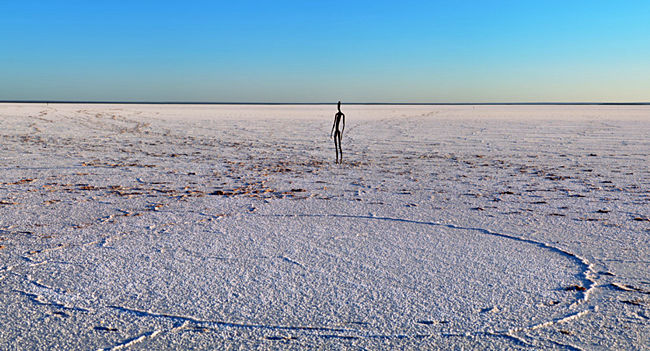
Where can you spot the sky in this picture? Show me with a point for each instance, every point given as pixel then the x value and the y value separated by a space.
pixel 323 51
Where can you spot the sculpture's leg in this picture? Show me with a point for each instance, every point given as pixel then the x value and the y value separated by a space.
pixel 336 148
pixel 340 150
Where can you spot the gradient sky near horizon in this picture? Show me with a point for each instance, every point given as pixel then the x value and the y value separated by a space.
pixel 321 51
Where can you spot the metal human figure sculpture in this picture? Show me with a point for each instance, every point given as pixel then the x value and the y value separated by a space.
pixel 338 117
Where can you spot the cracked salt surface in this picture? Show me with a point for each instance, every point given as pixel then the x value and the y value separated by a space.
pixel 135 226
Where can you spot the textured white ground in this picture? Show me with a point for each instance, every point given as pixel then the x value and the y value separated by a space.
pixel 169 227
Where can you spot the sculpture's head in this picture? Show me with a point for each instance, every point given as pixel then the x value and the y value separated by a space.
pixel 339 106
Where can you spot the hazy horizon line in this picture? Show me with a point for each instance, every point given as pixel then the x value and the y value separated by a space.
pixel 108 102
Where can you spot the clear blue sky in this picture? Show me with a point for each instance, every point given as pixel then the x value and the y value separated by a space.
pixel 312 51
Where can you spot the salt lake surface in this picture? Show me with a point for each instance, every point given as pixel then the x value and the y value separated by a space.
pixel 212 226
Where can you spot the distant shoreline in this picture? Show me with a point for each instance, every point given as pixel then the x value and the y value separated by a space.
pixel 326 103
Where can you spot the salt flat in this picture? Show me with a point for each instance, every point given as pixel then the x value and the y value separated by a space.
pixel 176 226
